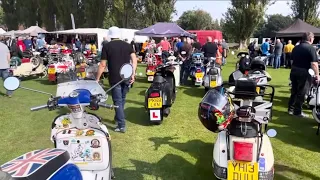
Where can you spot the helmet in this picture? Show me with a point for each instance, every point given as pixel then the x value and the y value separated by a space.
pixel 244 64
pixel 216 110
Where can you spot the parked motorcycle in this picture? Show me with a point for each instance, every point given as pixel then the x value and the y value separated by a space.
pixel 242 149
pixel 80 137
pixel 197 70
pixel 313 99
pixel 152 61
pixel 161 94
pixel 213 76
pixel 63 65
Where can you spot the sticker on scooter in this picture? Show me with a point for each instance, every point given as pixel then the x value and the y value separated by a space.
pixel 65 142
pixel 95 143
pixel 66 122
pixel 155 115
pixel 262 164
pixel 96 156
pixel 220 117
pixel 90 133
pixel 79 132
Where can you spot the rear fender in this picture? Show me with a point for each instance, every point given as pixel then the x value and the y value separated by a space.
pixel 220 151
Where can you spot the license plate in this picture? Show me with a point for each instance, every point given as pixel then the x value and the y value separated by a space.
pixel 213 84
pixel 258 90
pixel 51 71
pixel 150 73
pixel 150 78
pixel 199 75
pixel 242 170
pixel 155 102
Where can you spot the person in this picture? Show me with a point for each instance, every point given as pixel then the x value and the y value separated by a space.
pixel 165 47
pixel 265 47
pixel 117 53
pixel 196 45
pixel 304 57
pixel 28 43
pixel 185 57
pixel 283 55
pixel 5 58
pixel 210 49
pixel 271 51
pixel 93 48
pixel 277 52
pixel 143 50
pixel 78 45
pixel 179 44
pixel 40 43
pixel 219 55
pixel 251 48
pixel 105 40
pixel 21 44
pixel 225 48
pixel 288 50
pixel 132 43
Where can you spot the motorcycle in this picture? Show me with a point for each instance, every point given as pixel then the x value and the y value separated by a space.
pixel 213 76
pixel 152 62
pixel 197 70
pixel 82 141
pixel 30 64
pixel 313 99
pixel 63 65
pixel 161 94
pixel 242 149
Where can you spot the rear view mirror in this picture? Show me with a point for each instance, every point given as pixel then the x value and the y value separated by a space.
pixel 311 72
pixel 272 133
pixel 126 71
pixel 11 83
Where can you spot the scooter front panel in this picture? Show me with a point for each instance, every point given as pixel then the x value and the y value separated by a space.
pixel 67 172
pixel 88 148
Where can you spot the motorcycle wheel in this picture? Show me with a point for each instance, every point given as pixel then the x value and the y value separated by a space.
pixel 35 62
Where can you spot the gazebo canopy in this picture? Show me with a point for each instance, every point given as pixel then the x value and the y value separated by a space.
pixel 297 29
pixel 163 29
pixel 32 31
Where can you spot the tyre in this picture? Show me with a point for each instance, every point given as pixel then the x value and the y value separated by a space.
pixel 35 62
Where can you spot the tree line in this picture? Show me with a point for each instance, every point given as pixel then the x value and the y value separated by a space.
pixel 55 14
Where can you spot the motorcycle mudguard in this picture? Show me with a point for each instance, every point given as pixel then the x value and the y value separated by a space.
pixel 313 100
pixel 220 157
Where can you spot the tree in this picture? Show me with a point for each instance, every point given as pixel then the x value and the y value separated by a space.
pixel 28 12
pixel 47 13
pixel 10 13
pixel 1 16
pixel 158 10
pixel 65 8
pixel 274 23
pixel 306 10
pixel 94 12
pixel 196 20
pixel 242 19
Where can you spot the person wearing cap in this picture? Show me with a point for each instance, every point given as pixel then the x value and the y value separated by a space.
pixel 117 53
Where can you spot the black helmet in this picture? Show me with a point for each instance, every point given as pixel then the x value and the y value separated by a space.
pixel 216 110
pixel 244 64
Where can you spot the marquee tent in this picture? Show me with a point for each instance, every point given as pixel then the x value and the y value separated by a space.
pixel 163 29
pixel 297 29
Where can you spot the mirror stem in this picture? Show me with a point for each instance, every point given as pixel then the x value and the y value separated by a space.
pixel 36 91
pixel 114 86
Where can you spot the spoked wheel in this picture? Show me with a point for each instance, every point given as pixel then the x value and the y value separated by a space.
pixel 44 73
pixel 35 62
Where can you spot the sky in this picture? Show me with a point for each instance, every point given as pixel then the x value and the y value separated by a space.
pixel 217 8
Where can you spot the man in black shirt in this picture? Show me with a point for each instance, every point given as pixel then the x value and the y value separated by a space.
pixel 185 53
pixel 304 57
pixel 117 53
pixel 196 46
pixel 210 49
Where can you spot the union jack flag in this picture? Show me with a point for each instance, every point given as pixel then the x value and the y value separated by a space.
pixel 30 162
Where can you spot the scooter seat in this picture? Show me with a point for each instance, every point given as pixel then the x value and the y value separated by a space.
pixel 35 165
pixel 159 79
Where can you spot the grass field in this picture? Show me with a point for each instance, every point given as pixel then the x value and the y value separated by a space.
pixel 179 149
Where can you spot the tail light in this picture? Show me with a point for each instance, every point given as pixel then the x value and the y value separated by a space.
pixel 246 72
pixel 51 66
pixel 198 71
pixel 242 151
pixel 154 94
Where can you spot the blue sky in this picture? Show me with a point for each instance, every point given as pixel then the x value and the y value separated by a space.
pixel 217 8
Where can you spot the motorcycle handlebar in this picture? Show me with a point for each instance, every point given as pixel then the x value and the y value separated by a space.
pixel 39 107
pixel 109 106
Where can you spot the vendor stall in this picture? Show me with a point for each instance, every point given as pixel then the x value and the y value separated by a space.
pixel 31 31
pixel 164 30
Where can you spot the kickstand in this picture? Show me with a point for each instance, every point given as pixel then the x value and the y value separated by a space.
pixel 318 129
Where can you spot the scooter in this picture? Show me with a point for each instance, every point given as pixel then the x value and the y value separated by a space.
pixel 243 149
pixel 313 100
pixel 197 70
pixel 152 62
pixel 63 65
pixel 213 77
pixel 80 136
pixel 161 94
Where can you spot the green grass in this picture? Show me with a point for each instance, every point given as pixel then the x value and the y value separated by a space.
pixel 179 149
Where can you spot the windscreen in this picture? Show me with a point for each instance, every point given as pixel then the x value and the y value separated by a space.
pixel 216 99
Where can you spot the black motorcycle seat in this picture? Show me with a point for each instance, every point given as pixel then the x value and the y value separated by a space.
pixel 159 79
pixel 48 162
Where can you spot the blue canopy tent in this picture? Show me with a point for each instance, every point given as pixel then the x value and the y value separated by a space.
pixel 163 29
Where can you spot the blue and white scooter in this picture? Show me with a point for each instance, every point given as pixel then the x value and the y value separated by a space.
pixel 82 142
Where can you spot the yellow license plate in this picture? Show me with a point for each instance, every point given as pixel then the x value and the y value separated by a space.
pixel 213 84
pixel 51 71
pixel 199 75
pixel 155 102
pixel 258 90
pixel 243 170
pixel 150 73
